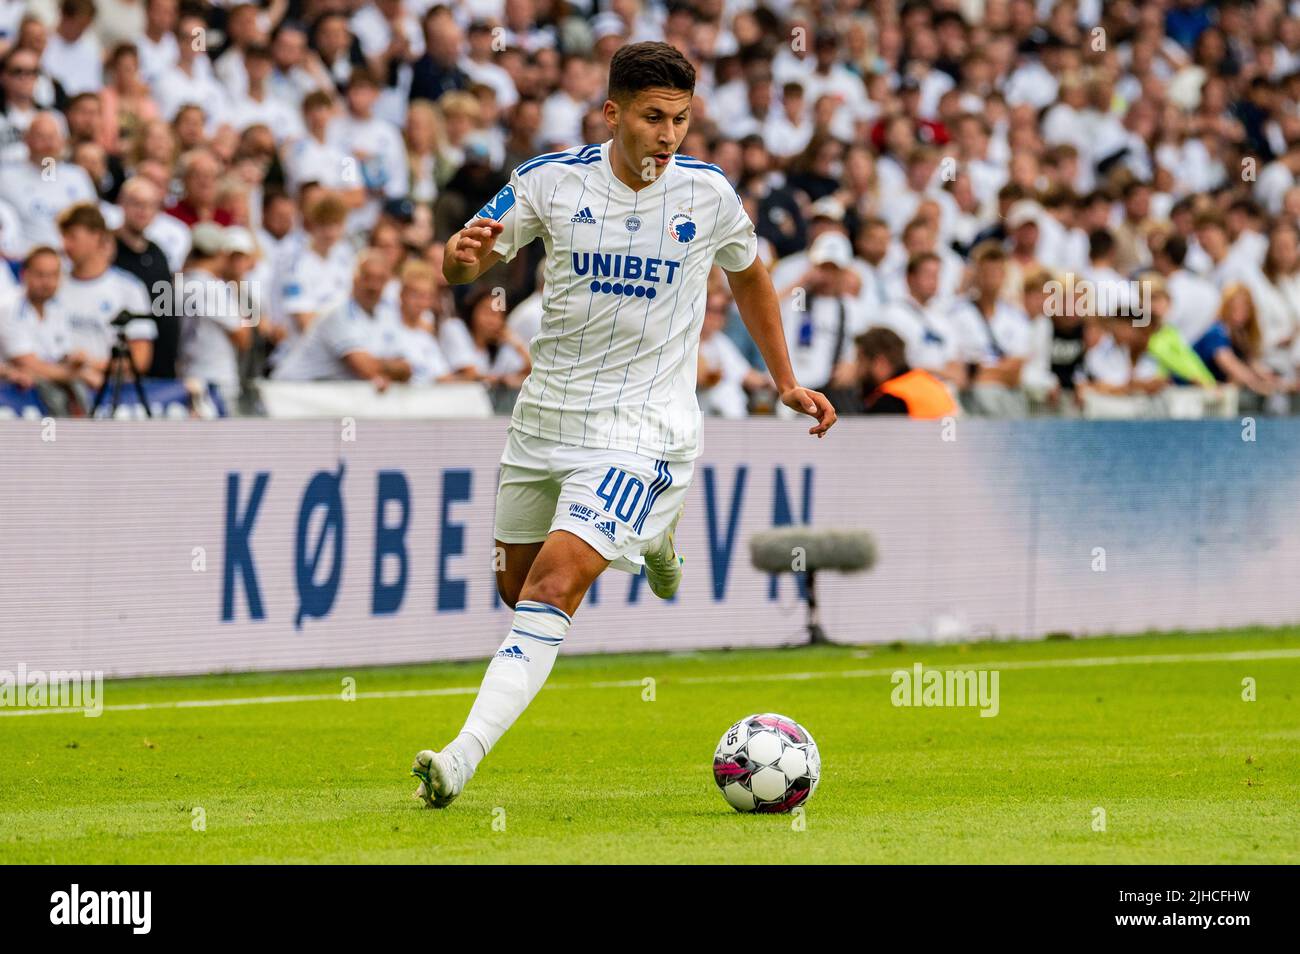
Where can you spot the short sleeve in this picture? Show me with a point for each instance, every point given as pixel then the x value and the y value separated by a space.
pixel 513 207
pixel 17 331
pixel 458 345
pixel 342 334
pixel 738 244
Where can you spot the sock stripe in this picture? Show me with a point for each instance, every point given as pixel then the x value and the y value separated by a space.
pixel 548 640
pixel 532 606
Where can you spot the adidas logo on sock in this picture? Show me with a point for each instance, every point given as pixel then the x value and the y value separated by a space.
pixel 583 216
pixel 513 652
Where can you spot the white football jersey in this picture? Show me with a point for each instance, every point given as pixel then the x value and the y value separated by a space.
pixel 92 304
pixel 626 274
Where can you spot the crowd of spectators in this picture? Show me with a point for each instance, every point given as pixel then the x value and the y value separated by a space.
pixel 1040 205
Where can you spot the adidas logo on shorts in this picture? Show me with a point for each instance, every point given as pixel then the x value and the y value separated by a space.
pixel 606 527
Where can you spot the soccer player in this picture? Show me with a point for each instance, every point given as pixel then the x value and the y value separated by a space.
pixel 606 428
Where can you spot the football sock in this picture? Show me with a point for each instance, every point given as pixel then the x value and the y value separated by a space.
pixel 514 676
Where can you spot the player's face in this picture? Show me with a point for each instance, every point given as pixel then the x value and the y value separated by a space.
pixel 650 128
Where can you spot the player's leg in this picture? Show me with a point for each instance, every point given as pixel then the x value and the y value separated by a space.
pixel 512 566
pixel 558 578
pixel 627 506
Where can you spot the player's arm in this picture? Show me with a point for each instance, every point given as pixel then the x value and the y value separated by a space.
pixel 756 298
pixel 470 251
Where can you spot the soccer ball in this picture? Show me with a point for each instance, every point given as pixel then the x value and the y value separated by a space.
pixel 766 763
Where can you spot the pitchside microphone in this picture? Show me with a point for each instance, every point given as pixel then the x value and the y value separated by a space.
pixel 807 550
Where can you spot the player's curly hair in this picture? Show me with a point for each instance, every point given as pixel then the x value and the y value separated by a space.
pixel 639 66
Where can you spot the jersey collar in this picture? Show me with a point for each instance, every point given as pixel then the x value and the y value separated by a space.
pixel 607 164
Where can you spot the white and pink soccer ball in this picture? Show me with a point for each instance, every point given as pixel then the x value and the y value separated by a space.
pixel 767 763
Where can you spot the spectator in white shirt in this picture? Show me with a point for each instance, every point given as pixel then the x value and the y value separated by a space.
pixel 563 110
pixel 94 293
pixel 1278 177
pixel 256 105
pixel 788 130
pixel 1116 362
pixel 296 71
pixel 823 310
pixel 317 279
pixel 919 317
pixel 416 340
pixel 1193 301
pixel 377 146
pixel 920 237
pixel 34 333
pixel 214 330
pixel 43 186
pixel 313 157
pixel 725 379
pixel 347 343
pixel 497 356
pixel 1225 268
pixel 1112 292
pixel 243 30
pixel 158 46
pixel 190 79
pixel 72 55
pixel 993 338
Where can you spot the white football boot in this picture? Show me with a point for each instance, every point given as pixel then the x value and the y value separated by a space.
pixel 663 564
pixel 442 776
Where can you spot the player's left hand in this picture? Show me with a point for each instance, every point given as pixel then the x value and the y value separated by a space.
pixel 814 404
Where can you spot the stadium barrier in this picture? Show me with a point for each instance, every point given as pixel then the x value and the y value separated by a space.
pixel 182 547
pixel 359 399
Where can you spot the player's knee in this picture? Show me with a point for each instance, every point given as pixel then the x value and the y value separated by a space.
pixel 553 589
pixel 508 590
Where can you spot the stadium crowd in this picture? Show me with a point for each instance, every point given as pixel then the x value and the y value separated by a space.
pixel 1026 207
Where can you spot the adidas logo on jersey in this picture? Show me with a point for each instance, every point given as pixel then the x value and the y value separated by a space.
pixel 583 216
pixel 606 527
pixel 514 652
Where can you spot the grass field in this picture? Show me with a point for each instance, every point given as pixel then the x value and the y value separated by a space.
pixel 1153 730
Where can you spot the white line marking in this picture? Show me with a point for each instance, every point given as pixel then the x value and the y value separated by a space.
pixel 1081 661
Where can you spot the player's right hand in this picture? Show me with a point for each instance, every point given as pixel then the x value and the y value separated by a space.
pixel 476 241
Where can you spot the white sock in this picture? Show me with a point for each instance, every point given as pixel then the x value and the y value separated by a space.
pixel 514 676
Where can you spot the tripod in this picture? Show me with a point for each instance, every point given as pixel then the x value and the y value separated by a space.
pixel 119 364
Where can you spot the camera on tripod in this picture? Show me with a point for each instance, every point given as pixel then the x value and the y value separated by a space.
pixel 121 365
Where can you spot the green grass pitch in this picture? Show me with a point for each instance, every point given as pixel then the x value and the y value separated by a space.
pixel 1152 730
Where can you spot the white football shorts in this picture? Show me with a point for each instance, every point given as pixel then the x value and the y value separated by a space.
pixel 617 501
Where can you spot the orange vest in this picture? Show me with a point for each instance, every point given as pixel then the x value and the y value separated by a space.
pixel 923 393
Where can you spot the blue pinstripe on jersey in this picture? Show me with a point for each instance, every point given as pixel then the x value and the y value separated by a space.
pixel 591 298
pixel 645 318
pixel 659 354
pixel 613 326
pixel 564 314
pixel 661 483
